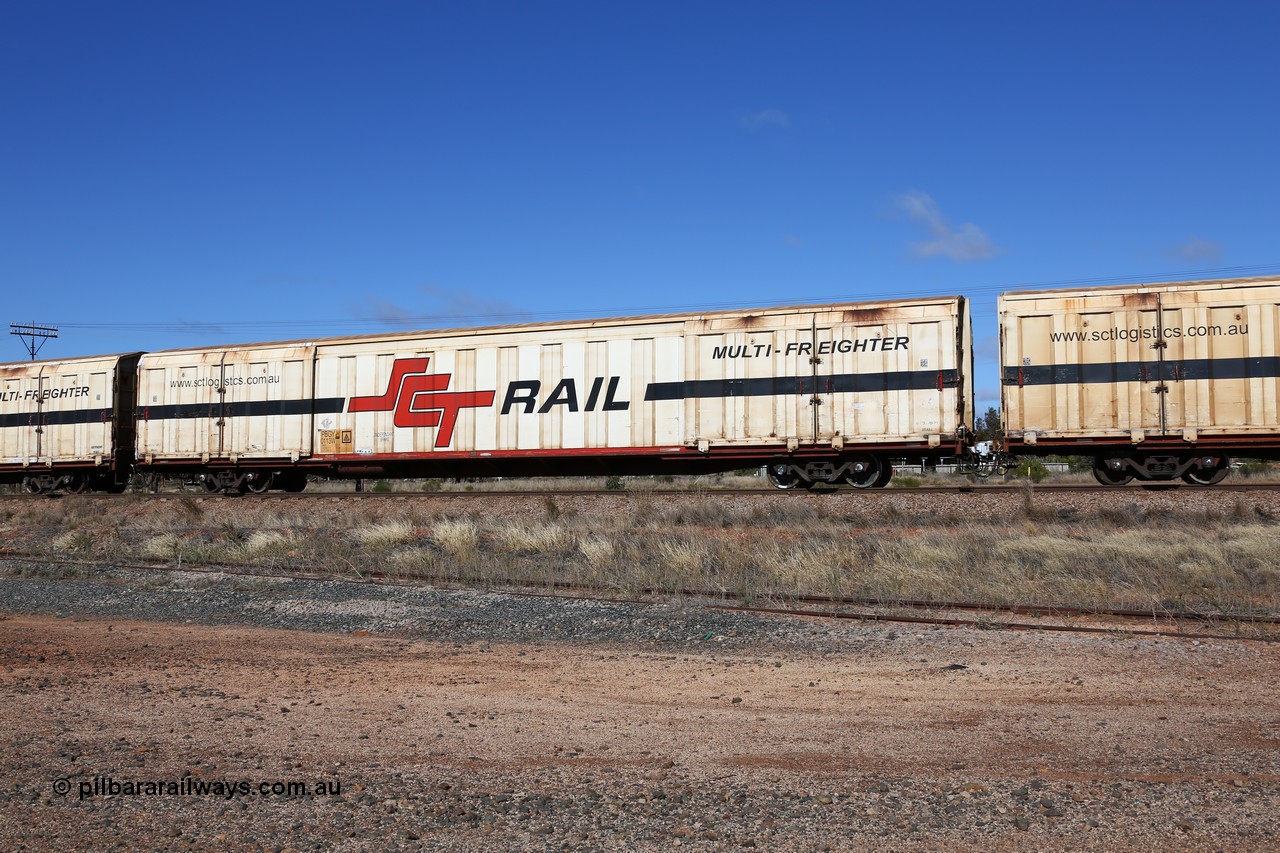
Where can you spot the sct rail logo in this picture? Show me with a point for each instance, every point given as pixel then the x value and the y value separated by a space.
pixel 420 399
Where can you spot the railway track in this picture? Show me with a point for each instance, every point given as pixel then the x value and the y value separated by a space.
pixel 867 494
pixel 1180 624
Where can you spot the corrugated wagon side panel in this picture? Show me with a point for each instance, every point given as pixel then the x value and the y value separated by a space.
pixel 785 378
pixel 499 392
pixel 465 373
pixel 1184 360
pixel 266 407
pixel 58 412
pixel 17 436
pixel 892 373
pixel 177 405
pixel 899 373
pixel 226 404
pixel 551 368
pixel 1264 402
pixel 617 399
pixel 77 413
pixel 666 366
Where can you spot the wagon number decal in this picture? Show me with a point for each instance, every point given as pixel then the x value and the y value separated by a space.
pixel 419 399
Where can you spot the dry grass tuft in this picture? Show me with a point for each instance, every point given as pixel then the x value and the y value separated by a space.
pixel 1113 555
pixel 598 551
pixel 536 539
pixel 385 534
pixel 686 555
pixel 74 542
pixel 459 538
pixel 266 543
pixel 415 561
pixel 166 546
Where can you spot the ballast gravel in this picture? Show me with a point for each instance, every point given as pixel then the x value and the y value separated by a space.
pixel 174 711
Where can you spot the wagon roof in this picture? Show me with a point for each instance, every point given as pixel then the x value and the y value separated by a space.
pixel 585 323
pixel 1143 287
pixel 72 359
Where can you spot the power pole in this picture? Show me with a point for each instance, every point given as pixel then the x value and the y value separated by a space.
pixel 33 336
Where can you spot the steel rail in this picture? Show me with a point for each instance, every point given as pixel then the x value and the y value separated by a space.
pixel 868 494
pixel 557 589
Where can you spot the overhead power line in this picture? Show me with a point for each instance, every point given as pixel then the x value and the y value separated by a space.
pixel 424 321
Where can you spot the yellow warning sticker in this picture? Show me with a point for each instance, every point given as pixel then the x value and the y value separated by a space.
pixel 337 441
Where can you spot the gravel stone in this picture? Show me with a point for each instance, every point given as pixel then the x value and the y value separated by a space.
pixel 471 720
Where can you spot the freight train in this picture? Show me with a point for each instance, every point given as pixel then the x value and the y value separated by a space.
pixel 1156 382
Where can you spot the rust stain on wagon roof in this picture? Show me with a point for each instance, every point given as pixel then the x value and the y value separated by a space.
pixel 1141 299
pixel 728 322
pixel 1076 305
pixel 747 321
pixel 1149 287
pixel 871 316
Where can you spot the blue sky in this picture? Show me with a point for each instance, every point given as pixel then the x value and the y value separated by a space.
pixel 182 174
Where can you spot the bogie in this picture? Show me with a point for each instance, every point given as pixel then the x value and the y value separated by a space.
pixel 1157 470
pixel 862 471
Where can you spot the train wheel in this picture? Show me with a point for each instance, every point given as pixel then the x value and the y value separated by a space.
pixel 256 484
pixel 865 472
pixel 781 476
pixel 886 474
pixel 1208 476
pixel 211 485
pixel 1105 475
pixel 32 486
pixel 77 484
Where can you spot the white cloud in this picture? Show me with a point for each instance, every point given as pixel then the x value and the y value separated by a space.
pixel 964 242
pixel 984 397
pixel 765 118
pixel 1196 251
pixel 460 304
pixel 447 307
pixel 987 346
pixel 390 313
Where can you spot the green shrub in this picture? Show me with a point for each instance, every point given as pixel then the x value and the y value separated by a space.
pixel 1031 469
pixel 1253 468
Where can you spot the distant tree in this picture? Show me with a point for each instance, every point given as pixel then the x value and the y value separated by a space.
pixel 987 427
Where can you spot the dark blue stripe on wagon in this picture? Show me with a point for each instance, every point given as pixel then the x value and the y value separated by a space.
pixel 253 409
pixel 776 386
pixel 55 418
pixel 1180 370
